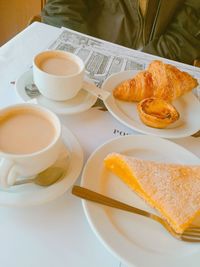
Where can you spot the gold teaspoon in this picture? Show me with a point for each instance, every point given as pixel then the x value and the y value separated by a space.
pixel 45 178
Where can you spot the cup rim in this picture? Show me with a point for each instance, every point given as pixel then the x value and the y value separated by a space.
pixel 43 110
pixel 77 58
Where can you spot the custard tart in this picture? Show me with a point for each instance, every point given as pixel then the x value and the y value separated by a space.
pixel 156 112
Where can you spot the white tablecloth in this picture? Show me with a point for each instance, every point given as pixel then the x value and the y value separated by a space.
pixel 55 234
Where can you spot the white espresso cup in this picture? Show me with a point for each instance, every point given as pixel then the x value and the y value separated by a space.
pixel 57 74
pixel 30 141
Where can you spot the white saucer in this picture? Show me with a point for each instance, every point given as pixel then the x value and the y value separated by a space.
pixel 81 102
pixel 32 194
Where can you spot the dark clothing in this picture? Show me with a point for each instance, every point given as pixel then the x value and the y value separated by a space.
pixel 169 28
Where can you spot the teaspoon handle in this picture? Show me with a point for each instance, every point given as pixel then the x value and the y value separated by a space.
pixel 93 89
pixel 25 181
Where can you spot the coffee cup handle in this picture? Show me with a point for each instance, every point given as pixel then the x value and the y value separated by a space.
pixel 7 176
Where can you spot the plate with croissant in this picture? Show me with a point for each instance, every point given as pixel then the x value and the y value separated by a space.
pixel 157 101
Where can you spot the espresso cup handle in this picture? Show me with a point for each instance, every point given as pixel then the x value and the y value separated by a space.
pixel 6 167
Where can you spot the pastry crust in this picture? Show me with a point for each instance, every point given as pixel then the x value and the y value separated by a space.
pixel 159 80
pixel 135 89
pixel 170 82
pixel 157 113
pixel 172 189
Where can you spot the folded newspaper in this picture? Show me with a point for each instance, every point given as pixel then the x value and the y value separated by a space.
pixel 103 58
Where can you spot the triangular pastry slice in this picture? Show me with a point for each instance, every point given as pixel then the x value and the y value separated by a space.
pixel 172 189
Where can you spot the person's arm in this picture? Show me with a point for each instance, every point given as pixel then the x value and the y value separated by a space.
pixel 181 41
pixel 68 13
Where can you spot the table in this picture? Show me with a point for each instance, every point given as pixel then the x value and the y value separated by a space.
pixel 55 234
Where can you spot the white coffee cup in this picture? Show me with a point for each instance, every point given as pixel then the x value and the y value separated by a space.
pixel 30 141
pixel 57 74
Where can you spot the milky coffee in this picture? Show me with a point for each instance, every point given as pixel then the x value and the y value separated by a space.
pixel 59 65
pixel 25 131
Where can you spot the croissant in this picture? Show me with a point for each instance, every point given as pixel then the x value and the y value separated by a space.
pixel 160 80
pixel 136 89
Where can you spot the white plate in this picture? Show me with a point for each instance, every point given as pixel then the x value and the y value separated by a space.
pixel 188 107
pixel 31 194
pixel 135 240
pixel 81 102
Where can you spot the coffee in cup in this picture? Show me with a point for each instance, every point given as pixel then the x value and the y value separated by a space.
pixel 25 131
pixel 59 65
pixel 30 141
pixel 58 75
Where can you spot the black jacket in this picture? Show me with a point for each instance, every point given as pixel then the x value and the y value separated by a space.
pixel 169 28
